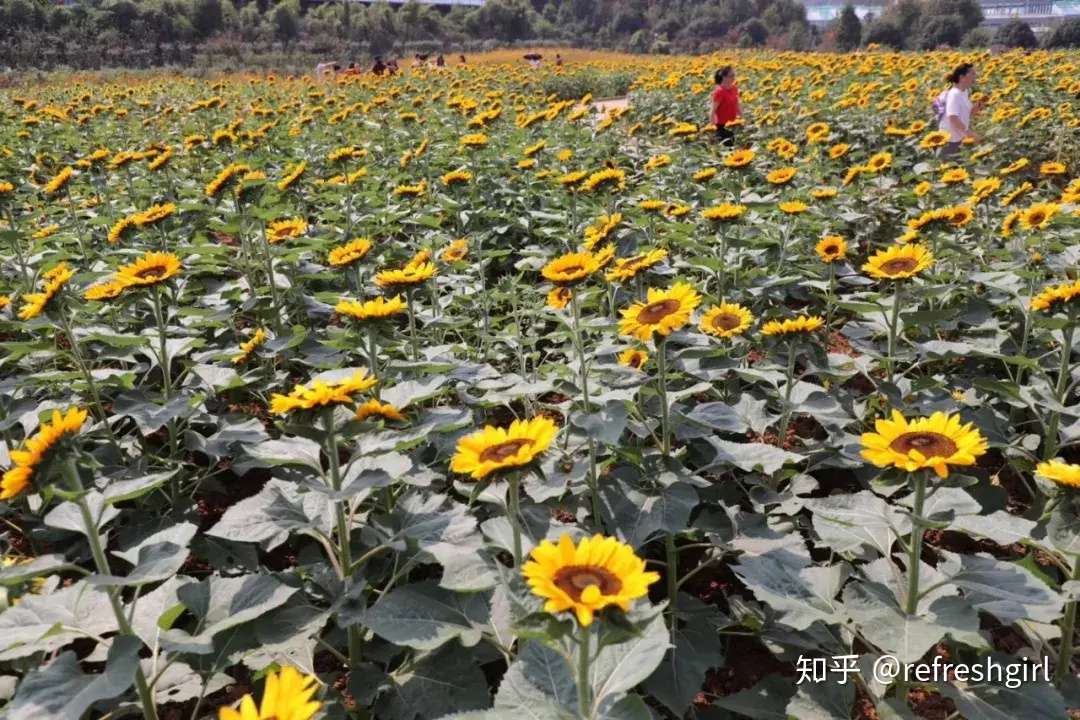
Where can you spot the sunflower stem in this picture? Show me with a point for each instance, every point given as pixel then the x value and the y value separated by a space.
pixel 76 354
pixel 1050 448
pixel 671 554
pixel 342 522
pixel 163 345
pixel 661 383
pixel 915 544
pixel 584 684
pixel 268 258
pixel 513 512
pixel 373 354
pixel 594 485
pixel 788 387
pixel 412 325
pixel 101 562
pixel 830 298
pixel 1068 630
pixel 16 246
pixel 893 332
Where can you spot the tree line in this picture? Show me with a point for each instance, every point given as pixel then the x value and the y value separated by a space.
pixel 143 33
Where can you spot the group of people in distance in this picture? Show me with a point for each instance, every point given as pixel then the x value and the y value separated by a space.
pixel 953 108
pixel 326 70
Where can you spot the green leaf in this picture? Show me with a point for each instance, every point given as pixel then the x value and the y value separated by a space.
pixel 606 425
pixel 749 456
pixel 286 451
pixel 618 668
pixel 538 685
pixel 425 616
pixel 38 567
pixel 443 682
pixel 62 690
pixel 156 558
pixel 800 593
pixel 857 523
pixel 698 648
pixel 822 701
pixel 637 514
pixel 996 702
pixel 269 516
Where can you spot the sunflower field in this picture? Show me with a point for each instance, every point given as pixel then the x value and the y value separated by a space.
pixel 455 394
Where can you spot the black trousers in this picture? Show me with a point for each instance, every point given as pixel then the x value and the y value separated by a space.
pixel 725 135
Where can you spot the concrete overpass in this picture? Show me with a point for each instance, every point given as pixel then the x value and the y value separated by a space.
pixel 1037 13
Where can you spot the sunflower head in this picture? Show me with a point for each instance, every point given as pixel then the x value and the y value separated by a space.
pixel 455 251
pixel 1039 215
pixel 633 358
pixel 793 207
pixel 739 158
pixel 151 269
pixel 597 573
pixel 284 229
pixel 724 212
pixel 287 696
pixel 1063 473
pixel 350 252
pixel 780 176
pixel 493 448
pixel 792 326
pixel 570 268
pixel 898 262
pixel 559 298
pixel 664 312
pixel 410 275
pixel 31 459
pixel 831 248
pixel 375 409
pixel 936 442
pixel 378 309
pixel 1051 296
pixel 321 394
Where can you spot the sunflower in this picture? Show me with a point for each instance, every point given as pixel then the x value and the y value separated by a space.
pixel 374 408
pixel 626 268
pixel 600 229
pixel 151 269
pixel 153 214
pixel 793 207
pixel 407 276
pixel 215 186
pixel 831 248
pixel 571 268
pixel 1024 187
pixel 1062 473
pixel 27 460
pixel 1039 215
pixel 780 176
pixel 633 358
pixel 493 449
pixel 934 442
pixel 724 211
pixel 599 572
pixel 247 347
pixel 960 215
pixel 704 174
pixel 817 132
pixel 474 140
pixel 608 176
pixel 6 187
pixel 824 193
pixel 839 150
pixel 59 180
pixel 739 158
pixel 349 253
pixel 377 309
pixel 119 228
pixel 726 320
pixel 572 178
pixel 879 161
pixel 559 298
pixel 664 311
pixel 1015 166
pixel 455 251
pixel 657 161
pixel 676 210
pixel 652 204
pixel 923 187
pixel 292 176
pixel 55 279
pixel 1063 293
pixel 287 696
pixel 105 290
pixel 47 231
pixel 456 177
pixel 284 229
pixel 411 190
pixel 934 139
pixel 1052 168
pixel 800 324
pixel 898 262
pixel 321 394
pixel 953 176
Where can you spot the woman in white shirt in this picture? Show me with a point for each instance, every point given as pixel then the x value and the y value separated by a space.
pixel 958 109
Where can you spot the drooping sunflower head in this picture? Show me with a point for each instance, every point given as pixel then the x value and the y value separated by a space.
pixel 664 312
pixel 38 450
pixel 936 442
pixel 792 207
pixel 151 269
pixel 1015 166
pixel 456 177
pixel 375 409
pixel 106 290
pixel 1052 168
pixel 792 326
pixel 321 393
pixel 633 358
pixel 55 279
pixel 898 262
pixel 824 193
pixel 1063 293
pixel 407 276
pixel 597 573
pixel 377 309
pixel 570 268
pixel 726 320
pixel 626 268
pixel 287 696
pixel 494 448
pixel 831 248
pixel 349 253
pixel 1063 473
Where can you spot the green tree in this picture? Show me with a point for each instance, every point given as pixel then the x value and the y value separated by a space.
pixel 285 20
pixel 848 29
pixel 938 30
pixel 1016 33
pixel 207 17
pixel 1065 35
pixel 885 32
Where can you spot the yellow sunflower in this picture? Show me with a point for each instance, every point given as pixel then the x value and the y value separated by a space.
pixel 934 139
pixel 839 150
pixel 1062 473
pixel 934 442
pixel 287 696
pixel 374 408
pixel 284 229
pixel 292 176
pixel 456 177
pixel 59 180
pixel 493 448
pixel 626 268
pixel 780 176
pixel 824 193
pixel 599 572
pixel 320 393
pixel 409 275
pixel 739 158
pixel 1015 166
pixel 350 252
pixel 455 251
pixel 376 309
pixel 570 268
pixel 793 207
pixel 831 248
pixel 879 161
pixel 898 262
pixel 724 211
pixel 1052 168
pixel 704 174
pixel 1062 293
pixel 559 298
pixel 151 269
pixel 664 312
pixel 726 320
pixel 607 177
pixel 248 346
pixel 923 187
pixel 633 358
pixel 800 324
pixel 27 460
pixel 952 176
pixel 36 303
pixel 1039 215
pixel 106 290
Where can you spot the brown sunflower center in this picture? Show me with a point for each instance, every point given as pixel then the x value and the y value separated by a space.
pixel 570 269
pixel 151 273
pixel 726 321
pixel 929 444
pixel 1036 218
pixel 498 453
pixel 657 311
pixel 899 265
pixel 636 360
pixel 831 249
pixel 573 580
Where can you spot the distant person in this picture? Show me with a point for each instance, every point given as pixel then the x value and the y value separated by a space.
pixel 326 70
pixel 440 61
pixel 461 59
pixel 955 110
pixel 725 104
pixel 379 68
pixel 558 60
pixel 533 60
pixel 352 71
pixel 392 66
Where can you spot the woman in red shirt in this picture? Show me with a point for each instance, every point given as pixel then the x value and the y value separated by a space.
pixel 725 104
